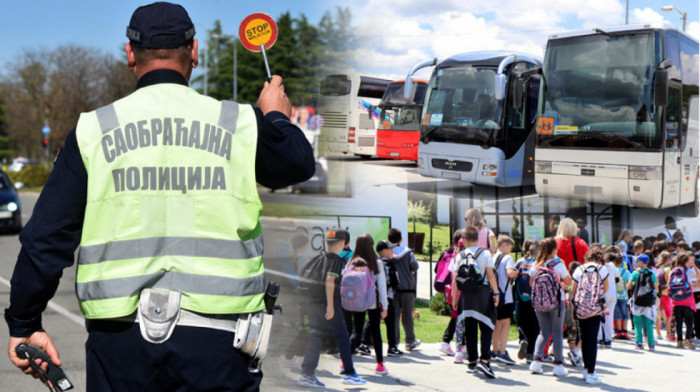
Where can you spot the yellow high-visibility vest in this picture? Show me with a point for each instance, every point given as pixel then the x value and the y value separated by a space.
pixel 172 203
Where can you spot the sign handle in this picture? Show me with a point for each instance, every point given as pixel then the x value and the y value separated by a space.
pixel 267 65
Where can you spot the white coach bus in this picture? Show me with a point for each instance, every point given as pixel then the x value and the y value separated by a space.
pixel 618 117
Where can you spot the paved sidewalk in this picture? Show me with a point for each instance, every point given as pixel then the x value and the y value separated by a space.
pixel 621 368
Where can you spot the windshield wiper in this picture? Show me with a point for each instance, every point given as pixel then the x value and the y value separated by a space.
pixel 424 137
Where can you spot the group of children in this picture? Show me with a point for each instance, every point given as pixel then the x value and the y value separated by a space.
pixel 588 300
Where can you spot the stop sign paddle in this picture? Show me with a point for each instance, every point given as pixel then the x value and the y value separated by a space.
pixel 257 33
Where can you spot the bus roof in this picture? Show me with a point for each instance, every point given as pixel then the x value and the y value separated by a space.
pixel 489 57
pixel 414 81
pixel 664 25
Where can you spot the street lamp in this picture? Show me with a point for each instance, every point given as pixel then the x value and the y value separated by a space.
pixel 669 8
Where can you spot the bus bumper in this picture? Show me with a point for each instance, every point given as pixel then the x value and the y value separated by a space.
pixel 482 171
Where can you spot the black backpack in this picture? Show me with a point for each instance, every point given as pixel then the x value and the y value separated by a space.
pixel 643 293
pixel 392 275
pixel 469 278
pixel 312 280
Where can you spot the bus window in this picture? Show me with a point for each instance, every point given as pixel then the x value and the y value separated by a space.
pixel 335 85
pixel 673 119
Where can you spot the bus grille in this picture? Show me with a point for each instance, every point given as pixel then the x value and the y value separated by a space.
pixel 366 122
pixel 334 119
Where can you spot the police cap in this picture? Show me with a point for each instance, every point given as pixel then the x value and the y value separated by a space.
pixel 160 25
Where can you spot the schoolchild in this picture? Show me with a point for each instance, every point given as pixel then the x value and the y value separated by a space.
pixel 590 286
pixel 681 281
pixel 644 286
pixel 622 310
pixel 505 273
pixel 549 279
pixel 364 253
pixel 605 335
pixel 448 256
pixel 573 338
pixel 664 266
pixel 387 255
pixel 405 294
pixel 528 326
pixel 474 267
pixel 324 313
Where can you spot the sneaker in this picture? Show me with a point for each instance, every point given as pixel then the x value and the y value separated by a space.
pixel 471 367
pixel 463 349
pixel 689 345
pixel 559 371
pixel 639 346
pixel 505 358
pixel 671 338
pixel 659 337
pixel 394 352
pixel 522 350
pixel 679 344
pixel 494 355
pixel 310 381
pixel 458 358
pixel 592 378
pixel 412 346
pixel 353 379
pixel 363 350
pixel 626 336
pixel 547 359
pixel 536 367
pixel 381 369
pixel 486 369
pixel 446 349
pixel 608 344
pixel 573 359
pixel 652 348
pixel 618 335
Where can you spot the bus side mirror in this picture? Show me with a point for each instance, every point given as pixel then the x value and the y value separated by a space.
pixel 408 87
pixel 499 86
pixel 660 87
pixel 517 93
pixel 370 110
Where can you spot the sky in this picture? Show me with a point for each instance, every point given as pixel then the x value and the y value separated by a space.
pixel 101 24
pixel 401 33
pixel 394 34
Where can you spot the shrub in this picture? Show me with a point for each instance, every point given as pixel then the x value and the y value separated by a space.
pixel 439 305
pixel 32 176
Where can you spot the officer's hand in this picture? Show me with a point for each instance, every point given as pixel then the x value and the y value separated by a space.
pixel 38 339
pixel 272 97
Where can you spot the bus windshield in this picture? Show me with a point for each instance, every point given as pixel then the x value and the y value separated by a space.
pixel 335 85
pixel 461 105
pixel 597 92
pixel 401 117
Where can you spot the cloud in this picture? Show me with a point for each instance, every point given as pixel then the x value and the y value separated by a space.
pixel 397 34
pixel 694 29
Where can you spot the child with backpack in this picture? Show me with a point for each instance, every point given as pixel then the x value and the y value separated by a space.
pixel 549 279
pixel 680 284
pixel 590 286
pixel 622 309
pixel 443 284
pixel 644 286
pixel 528 326
pixel 473 275
pixel 663 270
pixel 570 325
pixel 387 255
pixel 376 306
pixel 505 273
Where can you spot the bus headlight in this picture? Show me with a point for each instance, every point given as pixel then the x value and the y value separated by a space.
pixel 490 167
pixel 544 167
pixel 420 161
pixel 12 206
pixel 645 173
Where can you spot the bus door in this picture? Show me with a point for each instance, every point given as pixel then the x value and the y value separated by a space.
pixel 673 150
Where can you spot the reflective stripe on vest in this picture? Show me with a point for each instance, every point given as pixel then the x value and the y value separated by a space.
pixel 172 204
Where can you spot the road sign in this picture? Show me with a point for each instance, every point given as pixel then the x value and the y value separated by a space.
pixel 257 33
pixel 46 130
pixel 258 30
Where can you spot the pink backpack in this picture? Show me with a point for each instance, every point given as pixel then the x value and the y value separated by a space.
pixel 358 292
pixel 590 297
pixel 546 288
pixel 443 278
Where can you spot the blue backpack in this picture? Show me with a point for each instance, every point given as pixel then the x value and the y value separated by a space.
pixel 522 281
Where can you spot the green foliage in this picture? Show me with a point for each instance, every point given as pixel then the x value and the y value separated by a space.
pixel 439 305
pixel 417 211
pixel 32 176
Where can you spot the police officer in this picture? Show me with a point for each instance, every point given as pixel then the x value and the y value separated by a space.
pixel 159 191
